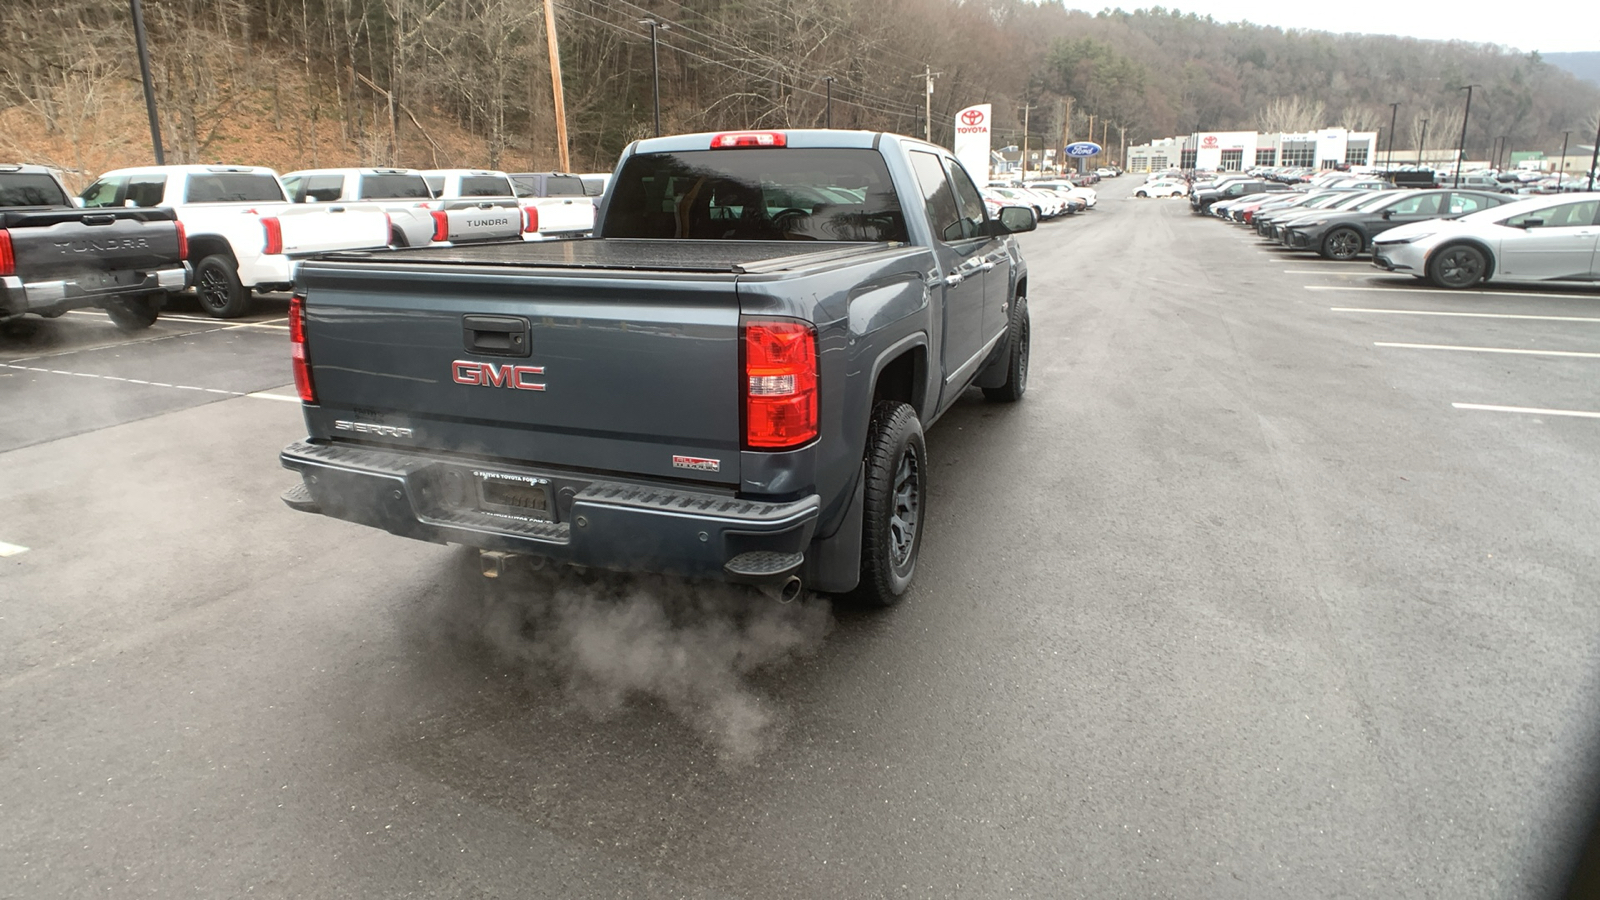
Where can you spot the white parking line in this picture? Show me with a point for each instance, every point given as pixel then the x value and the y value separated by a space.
pixel 267 395
pixel 259 395
pixel 1465 315
pixel 11 549
pixel 1325 272
pixel 180 317
pixel 1439 292
pixel 1572 353
pixel 1530 410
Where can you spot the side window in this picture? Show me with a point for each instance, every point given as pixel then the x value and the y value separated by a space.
pixel 968 201
pixel 146 190
pixel 324 188
pixel 1422 204
pixel 1567 215
pixel 936 196
pixel 435 184
pixel 1461 204
pixel 295 185
pixel 106 192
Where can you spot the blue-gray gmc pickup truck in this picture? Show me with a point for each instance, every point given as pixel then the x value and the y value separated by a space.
pixel 730 380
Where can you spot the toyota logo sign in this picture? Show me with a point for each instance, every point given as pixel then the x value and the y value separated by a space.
pixel 1209 141
pixel 972 117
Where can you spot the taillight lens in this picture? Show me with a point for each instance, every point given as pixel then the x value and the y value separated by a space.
pixel 441 226
pixel 733 139
pixel 780 384
pixel 530 220
pixel 274 231
pixel 297 350
pixel 8 258
pixel 183 241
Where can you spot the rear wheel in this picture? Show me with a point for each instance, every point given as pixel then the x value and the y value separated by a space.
pixel 1342 243
pixel 1016 359
pixel 216 284
pixel 1458 266
pixel 895 501
pixel 133 313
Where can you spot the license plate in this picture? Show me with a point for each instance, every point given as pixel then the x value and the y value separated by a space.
pixel 523 496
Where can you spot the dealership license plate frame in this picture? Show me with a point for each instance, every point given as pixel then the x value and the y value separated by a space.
pixel 510 494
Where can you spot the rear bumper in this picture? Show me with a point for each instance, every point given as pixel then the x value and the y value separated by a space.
pixel 18 297
pixel 593 521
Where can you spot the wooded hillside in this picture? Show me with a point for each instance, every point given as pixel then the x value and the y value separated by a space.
pixel 294 83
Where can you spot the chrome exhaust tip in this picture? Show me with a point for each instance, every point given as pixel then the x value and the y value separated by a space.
pixel 784 591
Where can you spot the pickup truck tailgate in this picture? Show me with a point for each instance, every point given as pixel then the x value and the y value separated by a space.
pixel 314 229
pixel 482 220
pixel 58 243
pixel 564 368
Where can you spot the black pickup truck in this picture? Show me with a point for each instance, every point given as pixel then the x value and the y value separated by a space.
pixel 729 381
pixel 55 256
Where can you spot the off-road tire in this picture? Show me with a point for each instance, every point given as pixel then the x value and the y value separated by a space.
pixel 895 507
pixel 133 313
pixel 217 287
pixel 1016 358
pixel 1458 266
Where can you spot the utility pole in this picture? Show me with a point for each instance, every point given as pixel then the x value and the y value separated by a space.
pixel 927 107
pixel 144 71
pixel 1594 158
pixel 1025 108
pixel 1066 126
pixel 655 66
pixel 555 85
pixel 1122 144
pixel 1461 149
pixel 829 121
pixel 1562 171
pixel 1422 145
pixel 1394 110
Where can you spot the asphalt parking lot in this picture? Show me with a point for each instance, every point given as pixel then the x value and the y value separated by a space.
pixel 1279 582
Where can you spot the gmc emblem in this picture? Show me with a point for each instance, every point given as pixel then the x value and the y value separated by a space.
pixel 466 371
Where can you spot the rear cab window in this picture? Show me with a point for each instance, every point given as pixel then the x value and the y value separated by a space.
pixel 233 187
pixel 485 186
pixel 393 186
pixel 31 189
pixel 563 186
pixel 828 194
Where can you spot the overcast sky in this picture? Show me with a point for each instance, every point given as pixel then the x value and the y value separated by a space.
pixel 1554 26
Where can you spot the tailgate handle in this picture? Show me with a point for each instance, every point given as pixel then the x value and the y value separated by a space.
pixel 496 335
pixel 102 219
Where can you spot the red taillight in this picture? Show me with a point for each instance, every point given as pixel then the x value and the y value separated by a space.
pixel 530 220
pixel 8 258
pixel 183 241
pixel 749 139
pixel 441 226
pixel 274 230
pixel 780 375
pixel 297 350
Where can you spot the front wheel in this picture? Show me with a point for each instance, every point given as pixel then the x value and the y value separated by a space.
pixel 1016 383
pixel 1141 194
pixel 1342 244
pixel 133 313
pixel 895 503
pixel 1458 266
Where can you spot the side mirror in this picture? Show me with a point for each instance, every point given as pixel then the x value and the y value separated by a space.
pixel 1532 223
pixel 1016 219
pixel 1388 214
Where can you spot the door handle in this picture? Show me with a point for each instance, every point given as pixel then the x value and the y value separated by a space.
pixel 954 278
pixel 987 266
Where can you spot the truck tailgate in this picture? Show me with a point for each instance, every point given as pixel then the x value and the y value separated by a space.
pixel 565 214
pixel 483 220
pixel 314 229
pixel 58 243
pixel 565 368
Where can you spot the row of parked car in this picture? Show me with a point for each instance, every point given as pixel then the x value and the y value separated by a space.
pixel 1452 237
pixel 1048 198
pixel 230 231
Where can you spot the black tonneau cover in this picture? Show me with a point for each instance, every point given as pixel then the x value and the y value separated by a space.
pixel 644 254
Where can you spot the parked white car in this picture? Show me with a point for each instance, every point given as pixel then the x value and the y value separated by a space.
pixel 489 190
pixel 1162 189
pixel 244 234
pixel 565 209
pixel 416 219
pixel 1552 238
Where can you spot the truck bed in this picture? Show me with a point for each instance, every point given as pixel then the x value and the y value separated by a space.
pixel 637 254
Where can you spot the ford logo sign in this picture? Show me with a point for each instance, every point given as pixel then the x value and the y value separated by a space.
pixel 1083 148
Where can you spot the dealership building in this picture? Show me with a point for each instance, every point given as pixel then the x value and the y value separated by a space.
pixel 1325 148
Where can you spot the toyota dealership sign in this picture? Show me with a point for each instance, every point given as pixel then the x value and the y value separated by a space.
pixel 972 140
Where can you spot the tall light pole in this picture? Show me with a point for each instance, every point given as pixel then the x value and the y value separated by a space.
pixel 655 67
pixel 1562 171
pixel 1394 110
pixel 1025 108
pixel 144 72
pixel 1422 145
pixel 829 120
pixel 1594 158
pixel 1461 149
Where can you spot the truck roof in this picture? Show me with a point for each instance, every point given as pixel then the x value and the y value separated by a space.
pixel 25 169
pixel 800 138
pixel 355 170
pixel 462 172
pixel 189 170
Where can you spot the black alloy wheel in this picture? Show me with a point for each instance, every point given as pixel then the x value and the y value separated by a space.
pixel 895 496
pixel 216 284
pixel 1458 266
pixel 1342 244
